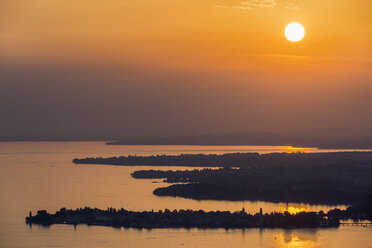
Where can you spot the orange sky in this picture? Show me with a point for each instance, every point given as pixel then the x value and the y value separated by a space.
pixel 238 45
pixel 203 34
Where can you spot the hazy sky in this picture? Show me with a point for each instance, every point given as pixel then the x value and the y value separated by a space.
pixel 171 67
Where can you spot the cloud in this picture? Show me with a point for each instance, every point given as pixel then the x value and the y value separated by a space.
pixel 308 59
pixel 221 6
pixel 249 4
pixel 232 7
pixel 241 7
pixel 296 8
pixel 259 3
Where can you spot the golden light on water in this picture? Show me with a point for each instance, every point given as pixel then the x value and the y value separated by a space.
pixel 294 32
pixel 295 241
pixel 291 149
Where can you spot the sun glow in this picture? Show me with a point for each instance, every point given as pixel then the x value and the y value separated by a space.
pixel 294 32
pixel 294 209
pixel 291 149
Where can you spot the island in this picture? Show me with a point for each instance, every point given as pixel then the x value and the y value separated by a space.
pixel 186 218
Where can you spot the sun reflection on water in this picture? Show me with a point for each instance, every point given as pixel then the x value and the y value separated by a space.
pixel 290 240
pixel 291 149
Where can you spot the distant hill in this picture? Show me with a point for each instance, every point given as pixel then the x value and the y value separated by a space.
pixel 252 138
pixel 313 138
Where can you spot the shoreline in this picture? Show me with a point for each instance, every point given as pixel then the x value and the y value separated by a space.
pixel 185 219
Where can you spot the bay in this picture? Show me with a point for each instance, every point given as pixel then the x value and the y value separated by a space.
pixel 40 175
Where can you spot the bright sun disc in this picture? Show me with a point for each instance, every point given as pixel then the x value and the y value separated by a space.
pixel 294 32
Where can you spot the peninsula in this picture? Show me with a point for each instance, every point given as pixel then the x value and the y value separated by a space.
pixel 236 159
pixel 317 178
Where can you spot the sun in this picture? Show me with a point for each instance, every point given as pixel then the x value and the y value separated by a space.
pixel 294 32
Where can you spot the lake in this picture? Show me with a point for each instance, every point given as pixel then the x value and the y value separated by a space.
pixel 40 175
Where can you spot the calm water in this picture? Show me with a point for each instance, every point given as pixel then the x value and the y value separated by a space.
pixel 40 175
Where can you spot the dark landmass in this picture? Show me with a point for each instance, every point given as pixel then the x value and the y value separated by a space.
pixel 316 178
pixel 311 195
pixel 256 138
pixel 190 160
pixel 170 176
pixel 330 185
pixel 246 160
pixel 322 138
pixel 187 218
